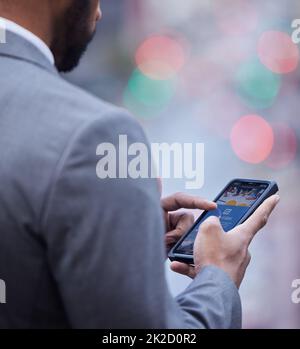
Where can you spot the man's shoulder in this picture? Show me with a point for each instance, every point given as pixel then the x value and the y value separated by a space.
pixel 66 108
pixel 52 111
pixel 74 103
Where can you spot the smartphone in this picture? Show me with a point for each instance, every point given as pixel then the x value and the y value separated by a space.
pixel 235 203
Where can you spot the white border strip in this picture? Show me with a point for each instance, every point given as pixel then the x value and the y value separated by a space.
pixel 2 32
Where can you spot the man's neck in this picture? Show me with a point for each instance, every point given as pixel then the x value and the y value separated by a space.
pixel 36 23
pixel 26 34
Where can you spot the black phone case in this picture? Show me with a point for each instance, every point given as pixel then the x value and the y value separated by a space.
pixel 271 190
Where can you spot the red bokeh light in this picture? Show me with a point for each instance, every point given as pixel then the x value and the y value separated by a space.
pixel 252 139
pixel 160 57
pixel 277 52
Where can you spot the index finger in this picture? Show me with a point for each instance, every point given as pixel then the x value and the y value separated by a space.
pixel 181 200
pixel 259 218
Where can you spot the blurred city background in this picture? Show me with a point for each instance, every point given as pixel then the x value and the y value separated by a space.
pixel 224 73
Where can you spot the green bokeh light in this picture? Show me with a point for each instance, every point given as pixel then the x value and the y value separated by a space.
pixel 257 85
pixel 146 97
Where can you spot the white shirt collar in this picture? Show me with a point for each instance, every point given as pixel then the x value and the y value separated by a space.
pixel 29 36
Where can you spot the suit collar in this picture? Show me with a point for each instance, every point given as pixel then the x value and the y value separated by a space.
pixel 17 47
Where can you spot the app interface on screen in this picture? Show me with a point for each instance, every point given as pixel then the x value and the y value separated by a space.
pixel 232 206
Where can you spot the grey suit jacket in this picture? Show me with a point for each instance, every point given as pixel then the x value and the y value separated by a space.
pixel 77 251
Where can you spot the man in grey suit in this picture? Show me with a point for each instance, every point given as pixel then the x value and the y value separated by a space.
pixel 77 251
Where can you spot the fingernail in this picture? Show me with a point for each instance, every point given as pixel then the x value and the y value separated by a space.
pixel 277 198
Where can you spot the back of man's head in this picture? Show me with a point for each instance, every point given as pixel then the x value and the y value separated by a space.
pixel 66 26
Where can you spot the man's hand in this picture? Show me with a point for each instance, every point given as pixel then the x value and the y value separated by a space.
pixel 228 251
pixel 178 223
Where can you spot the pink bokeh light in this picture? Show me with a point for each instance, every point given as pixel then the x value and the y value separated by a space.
pixel 252 139
pixel 277 52
pixel 160 57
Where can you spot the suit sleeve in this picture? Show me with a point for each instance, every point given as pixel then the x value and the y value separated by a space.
pixel 105 246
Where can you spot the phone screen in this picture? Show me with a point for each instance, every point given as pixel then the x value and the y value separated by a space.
pixel 233 203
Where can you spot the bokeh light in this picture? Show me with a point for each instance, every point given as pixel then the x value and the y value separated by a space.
pixel 277 52
pixel 229 18
pixel 152 93
pixel 252 139
pixel 137 108
pixel 285 146
pixel 160 57
pixel 146 97
pixel 257 85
